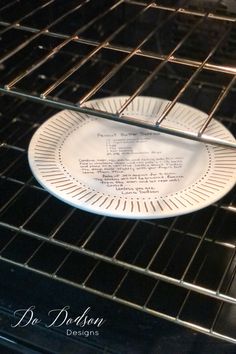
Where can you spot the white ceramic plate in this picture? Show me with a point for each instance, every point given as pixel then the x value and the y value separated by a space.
pixel 118 170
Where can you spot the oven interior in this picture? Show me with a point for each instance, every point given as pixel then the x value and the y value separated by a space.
pixel 57 54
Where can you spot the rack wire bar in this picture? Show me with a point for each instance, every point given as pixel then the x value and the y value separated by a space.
pixel 40 32
pixel 56 49
pixel 125 119
pixel 185 11
pixel 85 59
pixel 132 52
pixel 199 245
pixel 188 293
pixel 180 93
pixel 32 12
pixel 221 305
pixel 190 80
pixel 143 53
pixel 133 305
pixel 225 274
pixel 216 105
pixel 11 3
pixel 117 67
pixel 154 73
pixel 124 265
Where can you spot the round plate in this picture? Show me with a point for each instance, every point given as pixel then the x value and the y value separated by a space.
pixel 114 169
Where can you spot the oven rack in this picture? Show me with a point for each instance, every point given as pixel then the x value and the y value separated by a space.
pixel 111 258
pixel 19 82
pixel 67 258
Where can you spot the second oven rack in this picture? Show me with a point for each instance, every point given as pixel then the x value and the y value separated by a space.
pixel 19 82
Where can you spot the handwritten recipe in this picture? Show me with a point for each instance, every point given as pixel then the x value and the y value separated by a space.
pixel 133 163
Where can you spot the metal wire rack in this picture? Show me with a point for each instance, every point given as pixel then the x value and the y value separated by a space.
pixel 41 38
pixel 105 256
